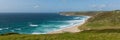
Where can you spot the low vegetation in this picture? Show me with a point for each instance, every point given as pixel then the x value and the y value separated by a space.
pixel 109 19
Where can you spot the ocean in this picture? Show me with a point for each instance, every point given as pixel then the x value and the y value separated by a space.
pixel 34 23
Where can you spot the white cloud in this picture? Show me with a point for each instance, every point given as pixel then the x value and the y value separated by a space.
pixel 99 7
pixel 36 6
pixel 102 5
pixel 94 6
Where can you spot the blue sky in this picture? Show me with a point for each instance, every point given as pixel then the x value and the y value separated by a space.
pixel 57 5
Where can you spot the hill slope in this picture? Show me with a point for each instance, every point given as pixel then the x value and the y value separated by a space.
pixel 109 19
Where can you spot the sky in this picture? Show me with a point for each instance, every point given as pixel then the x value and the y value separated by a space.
pixel 57 5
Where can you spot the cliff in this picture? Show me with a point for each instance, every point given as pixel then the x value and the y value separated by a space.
pixel 89 13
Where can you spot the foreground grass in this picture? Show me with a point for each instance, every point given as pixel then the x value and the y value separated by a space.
pixel 106 34
pixel 104 26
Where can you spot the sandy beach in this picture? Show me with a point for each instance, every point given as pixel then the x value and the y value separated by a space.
pixel 72 29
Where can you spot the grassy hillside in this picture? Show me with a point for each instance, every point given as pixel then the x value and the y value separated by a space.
pixel 104 26
pixel 109 19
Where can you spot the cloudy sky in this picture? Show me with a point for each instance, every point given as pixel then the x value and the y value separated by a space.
pixel 57 5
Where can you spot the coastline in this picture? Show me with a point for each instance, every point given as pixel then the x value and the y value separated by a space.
pixel 72 29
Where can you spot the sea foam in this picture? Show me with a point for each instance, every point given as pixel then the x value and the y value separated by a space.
pixel 1 29
pixel 70 23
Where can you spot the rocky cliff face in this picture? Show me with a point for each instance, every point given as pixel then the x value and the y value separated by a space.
pixel 90 13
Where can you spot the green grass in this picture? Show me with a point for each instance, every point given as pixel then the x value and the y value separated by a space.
pixel 104 26
pixel 104 19
pixel 107 34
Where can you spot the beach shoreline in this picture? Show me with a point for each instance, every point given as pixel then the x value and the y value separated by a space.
pixel 72 29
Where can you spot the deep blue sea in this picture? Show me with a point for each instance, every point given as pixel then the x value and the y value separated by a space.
pixel 31 23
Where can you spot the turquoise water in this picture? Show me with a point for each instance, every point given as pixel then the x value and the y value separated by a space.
pixel 32 23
